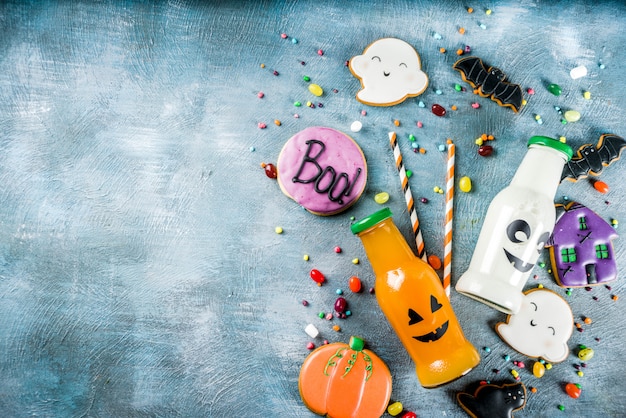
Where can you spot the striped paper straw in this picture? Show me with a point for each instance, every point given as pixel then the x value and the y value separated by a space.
pixel 447 239
pixel 408 196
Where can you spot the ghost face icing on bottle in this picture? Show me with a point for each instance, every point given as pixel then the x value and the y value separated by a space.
pixel 542 326
pixel 389 71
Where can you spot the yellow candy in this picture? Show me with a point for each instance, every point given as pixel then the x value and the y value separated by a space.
pixel 395 408
pixel 465 184
pixel 587 95
pixel 278 230
pixel 381 198
pixel 316 90
pixel 585 354
pixel 539 369
pixel 305 257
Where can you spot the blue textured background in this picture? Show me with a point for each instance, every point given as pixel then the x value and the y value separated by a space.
pixel 140 274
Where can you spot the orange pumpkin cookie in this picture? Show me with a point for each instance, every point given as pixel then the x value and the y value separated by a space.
pixel 342 380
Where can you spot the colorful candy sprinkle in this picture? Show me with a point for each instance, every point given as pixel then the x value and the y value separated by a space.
pixel 381 198
pixel 278 230
pixel 311 331
pixel 539 369
pixel 434 261
pixel 572 116
pixel 356 126
pixel 341 304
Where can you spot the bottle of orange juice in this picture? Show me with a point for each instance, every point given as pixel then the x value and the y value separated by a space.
pixel 412 298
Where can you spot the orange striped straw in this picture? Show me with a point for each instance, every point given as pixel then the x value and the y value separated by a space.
pixel 447 239
pixel 408 196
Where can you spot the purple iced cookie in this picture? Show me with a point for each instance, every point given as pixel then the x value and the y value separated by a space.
pixel 581 248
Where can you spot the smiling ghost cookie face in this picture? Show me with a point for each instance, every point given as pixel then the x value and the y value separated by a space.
pixel 323 170
pixel 390 72
pixel 542 326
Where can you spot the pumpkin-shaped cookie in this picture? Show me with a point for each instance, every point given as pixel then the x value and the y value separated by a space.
pixel 342 380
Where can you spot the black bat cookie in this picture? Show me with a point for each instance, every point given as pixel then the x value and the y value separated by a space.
pixel 592 159
pixel 490 82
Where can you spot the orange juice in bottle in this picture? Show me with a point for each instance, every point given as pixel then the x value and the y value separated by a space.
pixel 412 298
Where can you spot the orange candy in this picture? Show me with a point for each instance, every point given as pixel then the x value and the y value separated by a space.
pixel 601 186
pixel 355 284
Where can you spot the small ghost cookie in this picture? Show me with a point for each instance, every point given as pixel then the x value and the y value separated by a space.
pixel 542 326
pixel 492 401
pixel 389 71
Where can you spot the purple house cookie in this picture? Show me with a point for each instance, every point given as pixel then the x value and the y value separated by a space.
pixel 581 248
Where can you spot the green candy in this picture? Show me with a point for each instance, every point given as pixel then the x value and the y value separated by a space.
pixel 555 89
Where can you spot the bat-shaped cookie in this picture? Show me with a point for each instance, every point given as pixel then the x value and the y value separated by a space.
pixel 490 82
pixel 592 159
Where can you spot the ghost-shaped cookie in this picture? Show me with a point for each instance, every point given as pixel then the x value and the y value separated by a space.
pixel 390 72
pixel 542 326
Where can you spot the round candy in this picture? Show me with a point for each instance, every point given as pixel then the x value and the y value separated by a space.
pixel 356 126
pixel 395 408
pixel 438 110
pixel 465 184
pixel 316 90
pixel 555 89
pixel 585 354
pixel 381 198
pixel 573 390
pixel 317 276
pixel 572 116
pixel 341 304
pixel 601 186
pixel 485 150
pixel 354 284
pixel 270 171
pixel 539 369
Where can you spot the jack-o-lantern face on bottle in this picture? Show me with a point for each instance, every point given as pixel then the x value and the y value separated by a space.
pixel 428 335
pixel 521 255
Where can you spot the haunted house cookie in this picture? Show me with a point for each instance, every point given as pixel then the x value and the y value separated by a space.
pixel 542 326
pixel 389 71
pixel 492 401
pixel 581 247
pixel 323 170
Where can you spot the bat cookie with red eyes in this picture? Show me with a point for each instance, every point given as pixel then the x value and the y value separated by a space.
pixel 490 82
pixel 542 326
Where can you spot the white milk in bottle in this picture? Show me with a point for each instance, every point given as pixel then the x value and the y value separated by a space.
pixel 517 225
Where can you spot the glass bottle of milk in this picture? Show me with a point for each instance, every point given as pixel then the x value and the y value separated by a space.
pixel 517 225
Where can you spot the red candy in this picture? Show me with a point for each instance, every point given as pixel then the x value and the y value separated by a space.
pixel 270 171
pixel 485 150
pixel 317 276
pixel 355 284
pixel 409 414
pixel 438 110
pixel 573 390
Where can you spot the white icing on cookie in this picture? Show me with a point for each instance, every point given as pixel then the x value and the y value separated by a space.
pixel 389 71
pixel 542 326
